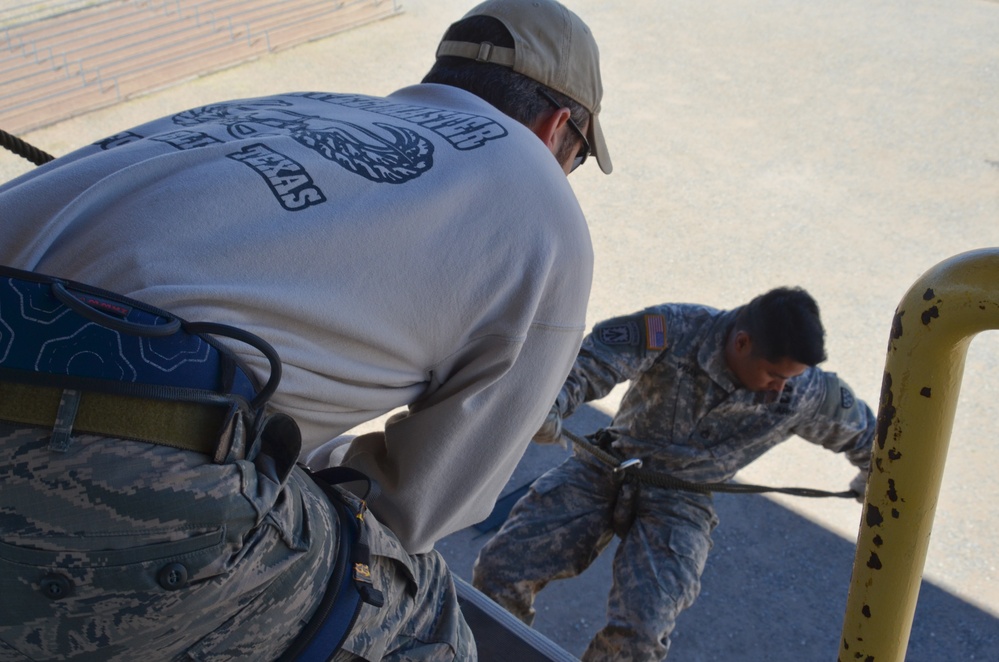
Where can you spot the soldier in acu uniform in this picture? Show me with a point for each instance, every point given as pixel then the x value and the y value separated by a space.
pixel 710 392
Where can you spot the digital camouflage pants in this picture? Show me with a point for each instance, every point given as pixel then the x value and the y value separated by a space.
pixel 123 550
pixel 568 518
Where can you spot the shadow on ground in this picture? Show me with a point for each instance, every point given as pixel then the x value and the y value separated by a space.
pixel 775 587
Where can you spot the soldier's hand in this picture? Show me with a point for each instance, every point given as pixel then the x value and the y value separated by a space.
pixel 550 431
pixel 859 485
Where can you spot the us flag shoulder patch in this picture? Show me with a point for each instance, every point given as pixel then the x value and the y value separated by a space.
pixel 655 332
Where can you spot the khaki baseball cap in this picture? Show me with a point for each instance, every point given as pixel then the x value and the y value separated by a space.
pixel 552 46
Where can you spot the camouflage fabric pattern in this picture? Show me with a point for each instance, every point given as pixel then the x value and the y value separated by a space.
pixel 122 550
pixel 91 539
pixel 683 414
pixel 568 518
pixel 421 619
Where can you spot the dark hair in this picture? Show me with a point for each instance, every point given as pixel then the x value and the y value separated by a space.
pixel 512 93
pixel 784 323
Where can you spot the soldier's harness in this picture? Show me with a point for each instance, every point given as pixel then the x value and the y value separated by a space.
pixel 226 383
pixel 631 469
pixel 80 359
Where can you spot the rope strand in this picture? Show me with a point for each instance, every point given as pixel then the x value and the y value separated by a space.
pixel 23 149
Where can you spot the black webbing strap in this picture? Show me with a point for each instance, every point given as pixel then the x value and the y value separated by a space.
pixel 350 583
pixel 632 469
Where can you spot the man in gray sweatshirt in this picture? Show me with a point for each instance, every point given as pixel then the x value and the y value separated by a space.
pixel 421 250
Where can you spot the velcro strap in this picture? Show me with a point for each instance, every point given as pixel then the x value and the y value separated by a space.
pixel 191 426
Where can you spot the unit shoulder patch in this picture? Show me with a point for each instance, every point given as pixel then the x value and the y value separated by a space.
pixel 838 396
pixel 618 332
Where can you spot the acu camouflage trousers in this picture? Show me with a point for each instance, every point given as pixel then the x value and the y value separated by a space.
pixel 568 518
pixel 123 550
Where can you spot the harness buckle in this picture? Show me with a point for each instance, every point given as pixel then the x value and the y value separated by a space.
pixel 633 463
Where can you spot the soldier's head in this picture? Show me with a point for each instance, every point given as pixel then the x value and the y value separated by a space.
pixel 537 62
pixel 775 337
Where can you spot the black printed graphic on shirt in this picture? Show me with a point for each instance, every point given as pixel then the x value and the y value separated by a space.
pixel 463 130
pixel 118 139
pixel 392 155
pixel 287 179
pixel 383 152
pixel 186 139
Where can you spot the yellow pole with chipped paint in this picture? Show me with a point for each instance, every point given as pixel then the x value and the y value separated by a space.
pixel 933 327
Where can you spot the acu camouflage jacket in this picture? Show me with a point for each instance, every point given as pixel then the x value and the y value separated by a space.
pixel 685 414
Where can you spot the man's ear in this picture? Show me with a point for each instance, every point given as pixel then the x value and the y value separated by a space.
pixel 547 127
pixel 743 343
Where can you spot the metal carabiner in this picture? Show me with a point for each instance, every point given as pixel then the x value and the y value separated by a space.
pixel 633 463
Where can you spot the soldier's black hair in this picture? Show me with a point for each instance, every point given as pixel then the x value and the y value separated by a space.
pixel 784 323
pixel 512 93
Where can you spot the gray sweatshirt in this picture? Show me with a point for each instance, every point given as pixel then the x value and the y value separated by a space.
pixel 419 250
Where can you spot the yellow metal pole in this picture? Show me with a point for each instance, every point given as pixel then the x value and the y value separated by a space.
pixel 933 326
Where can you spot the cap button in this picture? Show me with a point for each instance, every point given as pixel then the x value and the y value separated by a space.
pixel 173 576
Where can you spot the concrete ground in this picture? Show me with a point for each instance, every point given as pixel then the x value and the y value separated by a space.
pixel 846 147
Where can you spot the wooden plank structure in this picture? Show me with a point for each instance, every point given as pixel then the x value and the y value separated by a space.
pixel 62 59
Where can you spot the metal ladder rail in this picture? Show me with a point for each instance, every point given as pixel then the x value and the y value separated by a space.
pixel 933 327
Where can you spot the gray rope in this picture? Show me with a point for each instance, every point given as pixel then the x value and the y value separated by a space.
pixel 632 469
